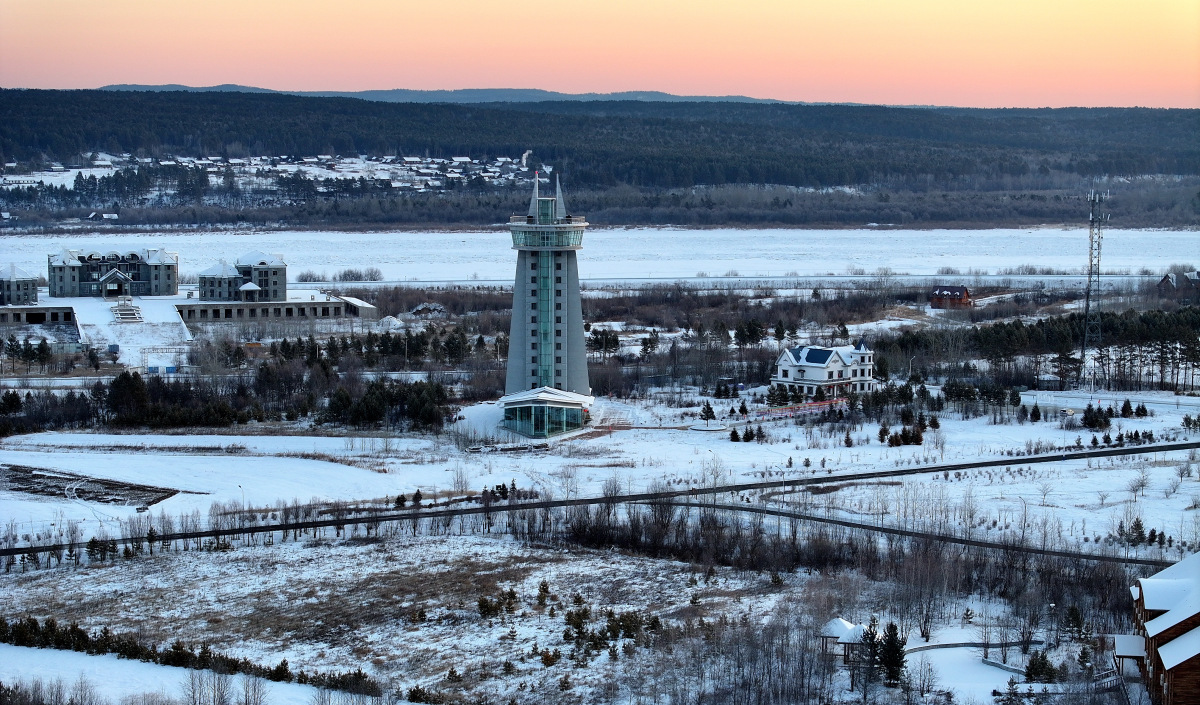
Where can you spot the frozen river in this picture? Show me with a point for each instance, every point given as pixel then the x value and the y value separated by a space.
pixel 644 252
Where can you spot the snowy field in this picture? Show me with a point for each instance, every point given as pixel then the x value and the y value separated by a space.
pixel 335 605
pixel 114 678
pixel 633 253
pixel 263 470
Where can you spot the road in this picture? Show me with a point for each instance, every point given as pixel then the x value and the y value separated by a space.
pixel 671 495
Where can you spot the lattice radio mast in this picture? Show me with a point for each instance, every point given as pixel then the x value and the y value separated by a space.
pixel 1091 297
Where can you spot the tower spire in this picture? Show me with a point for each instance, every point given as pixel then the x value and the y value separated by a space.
pixel 560 204
pixel 533 201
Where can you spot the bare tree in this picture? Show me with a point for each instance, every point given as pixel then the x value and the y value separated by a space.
pixel 925 678
pixel 1044 489
pixel 461 482
pixel 254 691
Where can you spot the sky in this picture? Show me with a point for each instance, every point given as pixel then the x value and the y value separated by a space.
pixel 1015 53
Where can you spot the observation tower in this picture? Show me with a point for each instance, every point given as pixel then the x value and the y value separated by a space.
pixel 546 388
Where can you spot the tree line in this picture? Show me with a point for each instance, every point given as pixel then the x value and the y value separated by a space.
pixel 662 145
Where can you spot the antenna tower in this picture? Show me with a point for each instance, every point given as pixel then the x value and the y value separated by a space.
pixel 1091 298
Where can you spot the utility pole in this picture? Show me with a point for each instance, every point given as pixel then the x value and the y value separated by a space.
pixel 1091 298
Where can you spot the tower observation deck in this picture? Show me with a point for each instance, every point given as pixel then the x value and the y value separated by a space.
pixel 546 386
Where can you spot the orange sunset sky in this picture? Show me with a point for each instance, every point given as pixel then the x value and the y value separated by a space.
pixel 1014 53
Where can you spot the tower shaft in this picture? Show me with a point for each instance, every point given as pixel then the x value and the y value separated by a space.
pixel 1091 297
pixel 546 337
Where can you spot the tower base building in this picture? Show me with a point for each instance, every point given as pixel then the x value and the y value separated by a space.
pixel 546 388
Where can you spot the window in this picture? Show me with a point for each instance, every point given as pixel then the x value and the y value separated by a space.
pixel 558 346
pixel 533 263
pixel 533 359
pixel 558 280
pixel 558 333
pixel 558 292
pixel 533 345
pixel 830 375
pixel 558 373
pixel 533 319
pixel 558 360
pixel 558 319
pixel 533 306
pixel 784 374
pixel 558 307
pixel 533 279
pixel 558 266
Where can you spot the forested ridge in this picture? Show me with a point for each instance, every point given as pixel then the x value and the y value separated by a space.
pixel 618 142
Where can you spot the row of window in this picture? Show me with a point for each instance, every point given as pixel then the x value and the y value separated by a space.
pixel 854 387
pixel 265 312
pixel 37 317
pixel 854 372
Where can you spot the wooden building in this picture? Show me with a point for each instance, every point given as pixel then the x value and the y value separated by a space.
pixel 1167 647
pixel 950 297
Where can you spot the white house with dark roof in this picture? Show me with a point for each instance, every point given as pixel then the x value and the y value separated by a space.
pixel 837 371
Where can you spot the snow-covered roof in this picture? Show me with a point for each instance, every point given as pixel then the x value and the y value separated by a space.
pixel 1178 650
pixel 12 272
pixel 259 259
pixel 836 627
pixel 1187 607
pixel 72 258
pixel 1129 645
pixel 1166 588
pixel 249 286
pixel 818 356
pixel 547 395
pixel 853 635
pixel 1175 591
pixel 221 269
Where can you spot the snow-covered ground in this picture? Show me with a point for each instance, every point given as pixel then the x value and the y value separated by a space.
pixel 114 678
pixel 262 470
pixel 160 326
pixel 632 253
pixel 337 604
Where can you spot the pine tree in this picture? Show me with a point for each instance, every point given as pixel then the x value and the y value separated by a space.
pixel 748 435
pixel 891 654
pixel 707 414
pixel 848 440
pixel 1035 414
pixel 733 436
pixel 1137 532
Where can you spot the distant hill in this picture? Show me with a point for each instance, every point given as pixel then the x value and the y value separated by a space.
pixel 623 142
pixel 465 95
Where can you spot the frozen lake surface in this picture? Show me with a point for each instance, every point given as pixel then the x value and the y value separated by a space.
pixel 661 253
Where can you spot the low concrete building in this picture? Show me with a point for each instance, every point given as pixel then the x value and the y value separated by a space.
pixel 150 272
pixel 17 286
